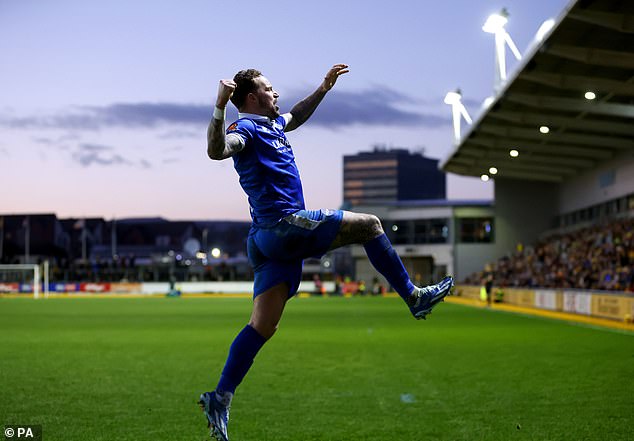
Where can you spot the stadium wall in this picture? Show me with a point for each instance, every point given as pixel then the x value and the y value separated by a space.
pixel 611 180
pixel 613 306
pixel 430 261
pixel 524 210
pixel 471 257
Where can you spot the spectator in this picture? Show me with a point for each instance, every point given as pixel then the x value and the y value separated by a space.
pixel 599 257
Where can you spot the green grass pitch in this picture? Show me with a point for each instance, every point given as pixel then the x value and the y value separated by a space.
pixel 338 369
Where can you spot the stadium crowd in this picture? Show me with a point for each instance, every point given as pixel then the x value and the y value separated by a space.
pixel 597 257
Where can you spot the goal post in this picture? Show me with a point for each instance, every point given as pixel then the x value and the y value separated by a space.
pixel 24 278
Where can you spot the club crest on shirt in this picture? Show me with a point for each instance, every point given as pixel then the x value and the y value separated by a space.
pixel 232 127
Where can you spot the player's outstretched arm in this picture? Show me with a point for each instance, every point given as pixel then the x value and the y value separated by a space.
pixel 218 146
pixel 305 108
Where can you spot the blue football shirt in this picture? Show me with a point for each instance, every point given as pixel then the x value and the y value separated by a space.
pixel 267 169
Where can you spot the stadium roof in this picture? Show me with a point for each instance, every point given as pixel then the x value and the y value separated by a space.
pixel 589 49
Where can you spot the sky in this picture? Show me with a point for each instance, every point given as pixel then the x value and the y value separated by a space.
pixel 104 106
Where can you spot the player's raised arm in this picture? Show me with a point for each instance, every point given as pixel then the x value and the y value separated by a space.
pixel 218 146
pixel 305 108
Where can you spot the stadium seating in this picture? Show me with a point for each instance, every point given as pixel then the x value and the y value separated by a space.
pixel 596 257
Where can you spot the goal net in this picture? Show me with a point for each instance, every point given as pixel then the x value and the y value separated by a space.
pixel 24 279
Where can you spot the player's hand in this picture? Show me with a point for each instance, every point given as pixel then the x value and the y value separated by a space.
pixel 225 90
pixel 331 77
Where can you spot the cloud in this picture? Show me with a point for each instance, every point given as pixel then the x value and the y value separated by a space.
pixel 128 115
pixel 177 148
pixel 96 154
pixel 68 137
pixel 376 106
pixel 43 140
pixel 151 114
pixel 59 142
pixel 180 134
pixel 74 121
pixel 95 147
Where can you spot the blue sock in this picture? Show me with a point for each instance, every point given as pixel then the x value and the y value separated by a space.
pixel 384 258
pixel 241 354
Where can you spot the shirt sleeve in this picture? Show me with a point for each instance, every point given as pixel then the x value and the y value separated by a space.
pixel 238 135
pixel 287 118
pixel 242 129
pixel 234 143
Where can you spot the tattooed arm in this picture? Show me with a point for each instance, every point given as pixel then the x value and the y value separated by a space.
pixel 305 108
pixel 220 146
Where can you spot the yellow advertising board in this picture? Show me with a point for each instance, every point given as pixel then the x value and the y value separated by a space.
pixel 468 291
pixel 125 288
pixel 585 303
pixel 520 297
pixel 611 306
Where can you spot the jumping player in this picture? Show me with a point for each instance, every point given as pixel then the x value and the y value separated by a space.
pixel 283 231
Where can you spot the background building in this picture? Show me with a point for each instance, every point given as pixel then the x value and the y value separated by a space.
pixel 433 238
pixel 136 249
pixel 407 191
pixel 388 175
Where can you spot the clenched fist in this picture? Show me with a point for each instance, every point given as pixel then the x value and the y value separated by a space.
pixel 225 90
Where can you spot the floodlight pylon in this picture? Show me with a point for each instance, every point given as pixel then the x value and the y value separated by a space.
pixel 495 25
pixel 458 111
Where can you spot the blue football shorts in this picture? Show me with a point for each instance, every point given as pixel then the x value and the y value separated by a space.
pixel 277 253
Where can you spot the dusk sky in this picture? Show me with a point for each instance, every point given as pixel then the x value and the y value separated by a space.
pixel 104 106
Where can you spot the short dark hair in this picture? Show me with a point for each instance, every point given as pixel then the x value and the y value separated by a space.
pixel 245 85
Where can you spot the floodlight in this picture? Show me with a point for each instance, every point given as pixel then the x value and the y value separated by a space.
pixel 487 102
pixel 453 97
pixel 496 22
pixel 493 170
pixel 590 95
pixel 215 253
pixel 495 25
pixel 458 110
pixel 514 153
pixel 484 178
pixel 544 129
pixel 544 29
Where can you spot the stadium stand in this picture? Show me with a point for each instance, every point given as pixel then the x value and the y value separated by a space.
pixel 567 111
pixel 599 257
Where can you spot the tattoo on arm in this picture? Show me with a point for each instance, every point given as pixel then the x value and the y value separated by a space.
pixel 305 108
pixel 216 139
pixel 220 146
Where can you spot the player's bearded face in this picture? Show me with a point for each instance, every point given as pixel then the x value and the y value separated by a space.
pixel 270 107
pixel 267 98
